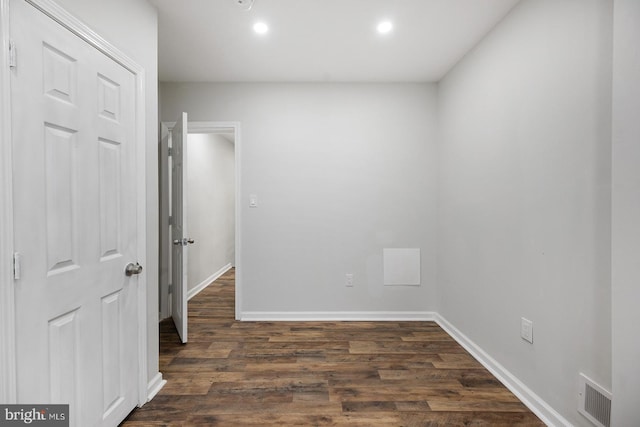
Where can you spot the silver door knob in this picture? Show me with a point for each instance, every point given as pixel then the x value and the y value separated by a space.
pixel 183 242
pixel 132 269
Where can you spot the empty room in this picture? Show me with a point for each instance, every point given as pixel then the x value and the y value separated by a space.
pixel 430 212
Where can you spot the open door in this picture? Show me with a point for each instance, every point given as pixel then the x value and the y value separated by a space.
pixel 164 169
pixel 179 227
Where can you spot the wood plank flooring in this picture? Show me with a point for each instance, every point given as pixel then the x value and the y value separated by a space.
pixel 319 374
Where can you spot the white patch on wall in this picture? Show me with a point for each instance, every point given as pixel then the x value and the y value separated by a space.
pixel 401 266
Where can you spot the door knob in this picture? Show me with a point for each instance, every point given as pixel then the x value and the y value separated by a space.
pixel 132 269
pixel 183 242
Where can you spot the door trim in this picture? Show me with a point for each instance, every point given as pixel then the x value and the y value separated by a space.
pixel 7 302
pixel 220 127
pixel 7 314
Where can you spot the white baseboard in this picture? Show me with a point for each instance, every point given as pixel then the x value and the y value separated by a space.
pixel 538 406
pixel 206 282
pixel 335 316
pixel 155 385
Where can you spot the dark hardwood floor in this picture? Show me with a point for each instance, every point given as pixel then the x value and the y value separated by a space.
pixel 319 374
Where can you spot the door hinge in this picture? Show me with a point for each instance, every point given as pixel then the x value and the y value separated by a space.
pixel 170 220
pixel 170 152
pixel 12 54
pixel 170 288
pixel 17 265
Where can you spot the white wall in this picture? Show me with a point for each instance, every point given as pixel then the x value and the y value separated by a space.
pixel 524 196
pixel 626 213
pixel 210 205
pixel 132 26
pixel 341 171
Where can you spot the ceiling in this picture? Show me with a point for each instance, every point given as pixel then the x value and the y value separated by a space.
pixel 319 40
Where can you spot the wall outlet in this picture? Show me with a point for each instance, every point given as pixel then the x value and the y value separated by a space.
pixel 526 329
pixel 348 280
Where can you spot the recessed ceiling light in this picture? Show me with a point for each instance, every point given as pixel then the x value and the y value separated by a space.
pixel 260 28
pixel 384 27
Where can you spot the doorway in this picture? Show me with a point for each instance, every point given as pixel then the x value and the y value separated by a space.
pixel 211 207
pixel 213 149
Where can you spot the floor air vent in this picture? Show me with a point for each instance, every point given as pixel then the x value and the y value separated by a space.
pixel 595 402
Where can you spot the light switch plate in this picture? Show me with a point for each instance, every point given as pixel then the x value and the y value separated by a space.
pixel 348 280
pixel 526 330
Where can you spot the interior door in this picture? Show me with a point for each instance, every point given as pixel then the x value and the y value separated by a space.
pixel 179 227
pixel 74 166
pixel 164 186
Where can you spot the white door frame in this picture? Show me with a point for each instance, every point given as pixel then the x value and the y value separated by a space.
pixel 7 308
pixel 215 127
pixel 7 312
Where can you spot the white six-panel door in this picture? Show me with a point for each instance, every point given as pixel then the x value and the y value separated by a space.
pixel 74 163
